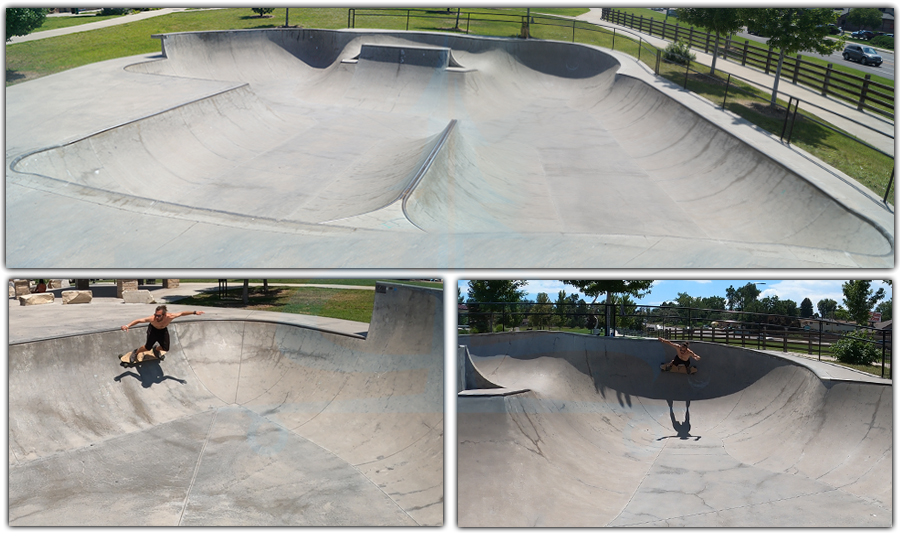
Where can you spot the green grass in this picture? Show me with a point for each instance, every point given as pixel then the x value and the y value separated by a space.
pixel 32 59
pixel 346 304
pixel 54 23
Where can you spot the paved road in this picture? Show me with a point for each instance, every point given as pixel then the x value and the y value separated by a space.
pixel 246 422
pixel 885 70
pixel 587 431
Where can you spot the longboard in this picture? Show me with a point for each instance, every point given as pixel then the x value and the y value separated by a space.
pixel 677 369
pixel 125 359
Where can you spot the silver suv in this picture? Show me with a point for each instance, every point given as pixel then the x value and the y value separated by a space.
pixel 862 54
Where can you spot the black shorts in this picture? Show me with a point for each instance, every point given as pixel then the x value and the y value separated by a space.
pixel 680 362
pixel 157 335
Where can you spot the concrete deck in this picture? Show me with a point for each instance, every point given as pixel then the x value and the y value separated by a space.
pixel 245 422
pixel 602 437
pixel 284 148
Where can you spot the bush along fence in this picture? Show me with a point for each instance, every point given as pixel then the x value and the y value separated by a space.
pixel 862 92
pixel 762 331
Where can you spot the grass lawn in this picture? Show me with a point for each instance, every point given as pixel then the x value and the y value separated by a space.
pixel 346 304
pixel 53 23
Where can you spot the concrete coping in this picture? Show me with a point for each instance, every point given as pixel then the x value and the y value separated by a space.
pixel 200 319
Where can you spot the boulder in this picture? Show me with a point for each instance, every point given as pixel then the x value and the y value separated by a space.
pixel 77 297
pixel 123 285
pixel 139 296
pixel 36 299
pixel 22 287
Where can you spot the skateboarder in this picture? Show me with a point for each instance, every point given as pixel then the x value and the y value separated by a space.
pixel 157 331
pixel 683 355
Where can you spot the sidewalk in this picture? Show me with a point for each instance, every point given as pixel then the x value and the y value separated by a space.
pixel 828 109
pixel 106 312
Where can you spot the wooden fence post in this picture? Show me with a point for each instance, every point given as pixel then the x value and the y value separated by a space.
pixel 797 68
pixel 768 59
pixel 827 79
pixel 864 91
pixel 744 55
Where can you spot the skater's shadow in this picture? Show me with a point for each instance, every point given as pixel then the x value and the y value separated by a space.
pixel 683 429
pixel 149 373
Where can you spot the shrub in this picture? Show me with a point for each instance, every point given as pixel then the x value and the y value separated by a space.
pixel 855 348
pixel 113 11
pixel 262 11
pixel 679 52
pixel 885 42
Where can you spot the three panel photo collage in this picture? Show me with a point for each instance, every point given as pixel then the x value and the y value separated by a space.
pixel 467 270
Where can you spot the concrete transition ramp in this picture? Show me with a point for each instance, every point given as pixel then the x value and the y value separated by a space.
pixel 242 423
pixel 340 140
pixel 587 431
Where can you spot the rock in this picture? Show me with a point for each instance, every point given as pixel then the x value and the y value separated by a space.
pixel 123 285
pixel 140 296
pixel 21 286
pixel 36 299
pixel 77 297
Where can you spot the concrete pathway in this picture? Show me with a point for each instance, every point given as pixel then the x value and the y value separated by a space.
pixel 836 112
pixel 107 312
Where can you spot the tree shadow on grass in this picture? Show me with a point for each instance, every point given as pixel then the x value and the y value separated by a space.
pixel 14 76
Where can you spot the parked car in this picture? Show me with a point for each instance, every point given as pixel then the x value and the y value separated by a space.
pixel 862 54
pixel 863 34
pixel 834 29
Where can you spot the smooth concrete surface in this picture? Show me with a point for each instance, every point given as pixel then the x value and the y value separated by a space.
pixel 285 147
pixel 245 422
pixel 601 437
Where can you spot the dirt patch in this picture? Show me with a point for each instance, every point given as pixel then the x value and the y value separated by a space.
pixel 765 109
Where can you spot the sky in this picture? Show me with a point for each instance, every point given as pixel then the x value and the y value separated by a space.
pixel 667 290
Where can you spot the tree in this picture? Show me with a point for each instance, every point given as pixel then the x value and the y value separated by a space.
pixel 743 298
pixel 794 30
pixel 22 21
pixel 636 288
pixel 495 290
pixel 718 21
pixel 865 17
pixel 827 307
pixel 885 308
pixel 806 308
pixel 262 12
pixel 540 313
pixel 860 300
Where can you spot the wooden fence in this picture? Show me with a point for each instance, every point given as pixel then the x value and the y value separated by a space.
pixel 863 92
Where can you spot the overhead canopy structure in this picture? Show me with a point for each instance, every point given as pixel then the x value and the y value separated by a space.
pixel 312 148
pixel 561 430
pixel 243 423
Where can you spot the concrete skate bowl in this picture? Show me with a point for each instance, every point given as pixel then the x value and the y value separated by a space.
pixel 242 423
pixel 420 132
pixel 586 431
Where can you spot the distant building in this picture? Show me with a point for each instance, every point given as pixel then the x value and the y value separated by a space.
pixel 887 21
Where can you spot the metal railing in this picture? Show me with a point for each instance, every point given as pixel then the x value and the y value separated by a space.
pixel 761 331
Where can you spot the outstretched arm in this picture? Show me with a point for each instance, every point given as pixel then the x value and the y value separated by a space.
pixel 125 327
pixel 695 355
pixel 667 342
pixel 183 313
